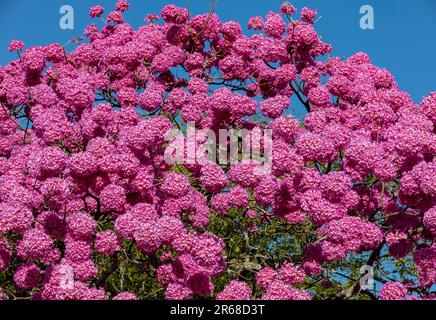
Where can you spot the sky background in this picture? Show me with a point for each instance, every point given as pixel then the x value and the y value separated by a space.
pixel 403 41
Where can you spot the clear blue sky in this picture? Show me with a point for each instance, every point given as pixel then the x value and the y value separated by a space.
pixel 403 41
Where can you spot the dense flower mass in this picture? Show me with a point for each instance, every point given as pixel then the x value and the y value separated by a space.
pixel 393 291
pixel 91 208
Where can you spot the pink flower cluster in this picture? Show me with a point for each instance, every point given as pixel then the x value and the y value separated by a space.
pixel 360 168
pixel 278 284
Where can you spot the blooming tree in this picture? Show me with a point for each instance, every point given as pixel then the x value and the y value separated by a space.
pixel 91 209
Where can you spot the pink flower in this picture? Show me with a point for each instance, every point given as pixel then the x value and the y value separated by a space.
pixel 265 277
pixel 122 6
pixel 96 11
pixel 113 198
pixel 176 185
pixel 274 25
pixel 178 291
pixel 213 177
pixel 27 276
pixel 81 225
pixel 430 220
pixel 151 17
pixel 231 30
pixel 287 8
pixel 278 290
pixel 125 296
pixel 16 45
pixel 107 242
pixel 235 290
pixel 308 15
pixel 274 107
pixel 255 23
pixel 115 17
pixel 173 14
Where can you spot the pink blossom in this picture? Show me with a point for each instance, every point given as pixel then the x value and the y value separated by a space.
pixel 107 242
pixel 16 45
pixel 122 6
pixel 235 290
pixel 173 14
pixel 115 17
pixel 96 11
pixel 287 8
pixel 27 276
pixel 274 25
pixel 255 23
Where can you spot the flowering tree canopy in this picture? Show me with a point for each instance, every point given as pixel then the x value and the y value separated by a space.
pixel 90 208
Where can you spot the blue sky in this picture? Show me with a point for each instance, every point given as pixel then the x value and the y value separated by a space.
pixel 403 41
